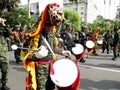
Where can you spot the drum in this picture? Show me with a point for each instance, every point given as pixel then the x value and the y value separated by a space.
pixel 100 42
pixel 65 72
pixel 78 51
pixel 90 44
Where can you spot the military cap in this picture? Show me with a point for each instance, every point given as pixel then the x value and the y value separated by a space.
pixel 17 26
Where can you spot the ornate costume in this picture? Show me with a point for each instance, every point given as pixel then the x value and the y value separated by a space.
pixel 95 35
pixel 36 64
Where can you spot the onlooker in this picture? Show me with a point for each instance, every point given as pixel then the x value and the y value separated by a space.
pixel 115 43
pixel 3 60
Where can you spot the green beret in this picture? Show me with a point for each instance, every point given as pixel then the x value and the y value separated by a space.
pixel 17 26
pixel 84 26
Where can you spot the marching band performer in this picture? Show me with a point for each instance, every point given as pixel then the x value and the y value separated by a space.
pixel 41 40
pixel 89 44
pixel 82 39
pixel 95 35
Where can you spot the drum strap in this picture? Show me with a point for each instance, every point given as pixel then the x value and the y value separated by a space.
pixel 46 42
pixel 46 62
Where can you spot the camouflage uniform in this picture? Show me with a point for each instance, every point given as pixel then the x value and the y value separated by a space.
pixel 3 60
pixel 115 44
pixel 38 66
pixel 106 40
pixel 17 41
pixel 43 69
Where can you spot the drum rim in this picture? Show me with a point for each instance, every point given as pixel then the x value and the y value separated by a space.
pixel 73 80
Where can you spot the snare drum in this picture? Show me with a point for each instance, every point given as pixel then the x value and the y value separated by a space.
pixel 100 42
pixel 78 51
pixel 65 72
pixel 90 45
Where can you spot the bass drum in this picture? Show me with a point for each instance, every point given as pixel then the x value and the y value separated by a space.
pixel 65 72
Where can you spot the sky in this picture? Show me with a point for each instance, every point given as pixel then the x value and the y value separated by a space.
pixel 108 8
pixel 43 3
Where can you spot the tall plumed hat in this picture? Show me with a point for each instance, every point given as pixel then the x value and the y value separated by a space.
pixel 51 16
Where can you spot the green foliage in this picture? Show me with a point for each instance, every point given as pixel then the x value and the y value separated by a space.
pixel 18 16
pixel 73 18
pixel 104 24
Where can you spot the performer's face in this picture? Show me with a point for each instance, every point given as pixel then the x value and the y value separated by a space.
pixel 47 29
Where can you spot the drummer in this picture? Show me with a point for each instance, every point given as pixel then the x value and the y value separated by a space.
pixel 67 36
pixel 37 63
pixel 82 39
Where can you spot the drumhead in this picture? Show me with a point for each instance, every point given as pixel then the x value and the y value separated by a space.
pixel 65 72
pixel 78 49
pixel 89 44
pixel 100 42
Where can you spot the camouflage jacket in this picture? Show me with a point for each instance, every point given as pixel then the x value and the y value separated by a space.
pixel 3 49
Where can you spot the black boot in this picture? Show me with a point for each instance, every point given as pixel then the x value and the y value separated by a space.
pixel 82 60
pixel 4 87
pixel 18 61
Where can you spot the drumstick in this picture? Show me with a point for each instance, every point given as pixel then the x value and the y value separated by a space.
pixel 48 45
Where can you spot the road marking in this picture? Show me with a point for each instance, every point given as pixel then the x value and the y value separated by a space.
pixel 100 68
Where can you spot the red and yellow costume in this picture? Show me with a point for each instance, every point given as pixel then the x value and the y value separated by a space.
pixel 50 17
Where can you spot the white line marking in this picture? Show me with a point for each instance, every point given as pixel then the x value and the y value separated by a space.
pixel 100 68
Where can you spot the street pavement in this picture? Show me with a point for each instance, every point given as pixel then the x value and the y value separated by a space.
pixel 97 73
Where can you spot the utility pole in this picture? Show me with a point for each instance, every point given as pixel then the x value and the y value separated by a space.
pixel 28 8
pixel 86 6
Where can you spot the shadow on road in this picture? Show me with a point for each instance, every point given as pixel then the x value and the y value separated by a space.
pixel 87 84
pixel 18 67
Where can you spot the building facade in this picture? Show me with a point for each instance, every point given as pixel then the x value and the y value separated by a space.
pixel 118 13
pixel 37 6
pixel 87 9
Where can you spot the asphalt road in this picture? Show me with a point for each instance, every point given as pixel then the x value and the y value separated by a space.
pixel 97 73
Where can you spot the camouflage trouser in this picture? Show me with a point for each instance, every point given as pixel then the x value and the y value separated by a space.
pixel 41 75
pixel 4 72
pixel 17 54
pixel 115 51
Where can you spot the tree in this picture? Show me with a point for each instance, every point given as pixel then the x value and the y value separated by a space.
pixel 18 16
pixel 73 18
pixel 8 5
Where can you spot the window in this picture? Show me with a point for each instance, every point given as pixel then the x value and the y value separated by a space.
pixel 65 1
pixel 82 13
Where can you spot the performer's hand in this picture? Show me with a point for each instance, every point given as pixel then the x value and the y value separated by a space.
pixel 26 34
pixel 2 22
pixel 66 53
